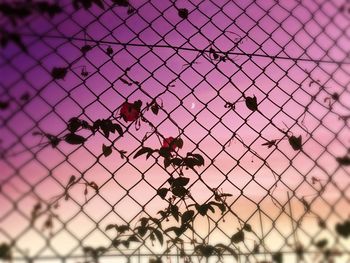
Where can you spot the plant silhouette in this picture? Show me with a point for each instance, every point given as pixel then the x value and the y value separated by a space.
pixel 174 226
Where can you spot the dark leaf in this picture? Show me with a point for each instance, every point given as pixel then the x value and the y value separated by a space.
pixel 343 229
pixel 221 206
pixel 73 138
pixel 179 191
pixel 106 127
pixel 190 162
pixel 205 250
pixel 176 161
pixel 165 152
pixel 247 227
pixel 73 124
pixel 109 51
pixel 179 143
pixel 16 39
pixel 84 72
pixel 86 4
pixel 85 49
pixel 335 96
pixel 131 10
pixel 142 151
pixel 156 221
pixel 118 128
pixel 173 228
pixel 180 181
pixel 277 257
pixel 179 231
pixel 167 162
pixel 116 242
pixel 4 105
pixel 141 230
pixel 183 13
pixel 238 237
pixel 174 210
pixel 122 228
pixel 124 3
pixel 53 140
pixel 71 181
pixel 94 186
pixel 345 160
pixel 321 223
pixel 170 180
pixel 122 153
pixel 86 125
pixel 59 73
pixel 187 216
pixel 110 226
pixel 144 221
pixel 96 125
pixel 107 150
pixel 155 260
pixel 199 160
pixel 137 104
pixel 159 236
pixel 162 192
pixel 133 238
pixel 202 209
pixel 251 103
pixel 155 108
pixel 299 251
pixel 211 208
pixel 321 244
pixel 269 144
pixel 295 142
pixel 99 3
pixel 5 251
pixel 215 55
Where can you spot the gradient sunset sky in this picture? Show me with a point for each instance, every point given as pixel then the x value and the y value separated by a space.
pixel 292 55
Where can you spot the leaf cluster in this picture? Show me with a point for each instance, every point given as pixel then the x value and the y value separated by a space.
pixel 343 229
pixel 177 187
pixel 126 235
pixel 19 10
pixel 11 37
pixel 344 160
pixel 86 4
pixel 206 250
pixel 239 236
pixel 5 251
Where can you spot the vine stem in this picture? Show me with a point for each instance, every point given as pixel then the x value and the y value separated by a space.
pixel 208 229
pixel 262 232
pixel 295 236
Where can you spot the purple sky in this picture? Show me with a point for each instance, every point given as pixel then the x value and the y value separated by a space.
pixel 312 30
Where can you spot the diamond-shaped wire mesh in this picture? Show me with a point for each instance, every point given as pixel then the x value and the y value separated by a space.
pixel 202 63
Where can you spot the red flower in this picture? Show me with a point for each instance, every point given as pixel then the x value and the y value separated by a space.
pixel 129 112
pixel 169 142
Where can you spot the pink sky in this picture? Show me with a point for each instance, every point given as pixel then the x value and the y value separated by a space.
pixel 281 87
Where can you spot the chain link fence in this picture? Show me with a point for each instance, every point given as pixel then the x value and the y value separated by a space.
pixel 174 131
